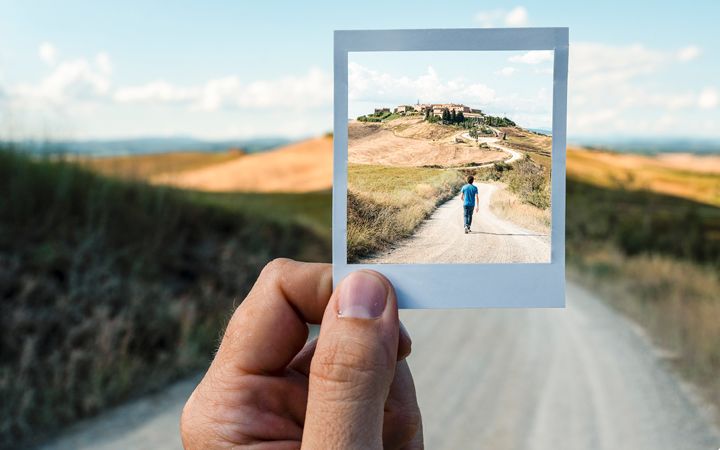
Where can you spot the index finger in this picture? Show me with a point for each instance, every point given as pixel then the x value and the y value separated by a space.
pixel 270 326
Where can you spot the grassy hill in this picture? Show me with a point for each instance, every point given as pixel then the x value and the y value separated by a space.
pixel 646 235
pixel 141 167
pixel 111 288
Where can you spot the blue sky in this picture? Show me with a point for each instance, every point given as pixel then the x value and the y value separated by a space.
pixel 221 69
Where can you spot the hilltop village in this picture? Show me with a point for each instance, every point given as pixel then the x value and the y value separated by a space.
pixel 447 113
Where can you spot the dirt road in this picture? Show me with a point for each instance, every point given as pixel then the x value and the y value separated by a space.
pixel 576 378
pixel 493 143
pixel 440 239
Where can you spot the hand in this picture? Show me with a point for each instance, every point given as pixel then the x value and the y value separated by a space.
pixel 267 388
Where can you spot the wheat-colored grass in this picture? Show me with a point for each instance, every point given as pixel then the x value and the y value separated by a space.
pixel 508 206
pixel 678 302
pixel 687 176
pixel 141 167
pixel 386 204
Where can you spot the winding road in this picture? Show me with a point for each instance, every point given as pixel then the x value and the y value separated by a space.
pixel 579 378
pixel 491 142
pixel 440 239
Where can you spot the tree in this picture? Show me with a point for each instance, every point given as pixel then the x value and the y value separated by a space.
pixel 446 116
pixel 460 117
pixel 453 117
pixel 427 113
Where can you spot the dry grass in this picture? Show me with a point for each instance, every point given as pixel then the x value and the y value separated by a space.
pixel 508 206
pixel 386 204
pixel 678 302
pixel 141 167
pixel 409 143
pixel 527 141
pixel 419 128
pixel 301 167
pixel 665 174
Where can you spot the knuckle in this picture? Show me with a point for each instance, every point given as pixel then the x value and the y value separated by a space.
pixel 275 268
pixel 404 423
pixel 348 365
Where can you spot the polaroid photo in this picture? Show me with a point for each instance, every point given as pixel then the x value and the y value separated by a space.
pixel 449 164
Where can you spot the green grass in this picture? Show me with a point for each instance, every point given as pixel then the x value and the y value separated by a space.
pixel 386 204
pixel 312 209
pixel 112 288
pixel 638 221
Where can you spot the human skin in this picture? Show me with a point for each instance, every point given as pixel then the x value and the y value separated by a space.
pixel 267 388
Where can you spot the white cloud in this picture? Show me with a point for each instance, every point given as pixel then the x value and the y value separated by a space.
pixel 506 71
pixel 154 92
pixel 368 88
pixel 70 80
pixel 688 53
pixel 304 92
pixel 48 53
pixel 533 57
pixel 102 60
pixel 517 17
pixel 367 85
pixel 708 98
pixel 611 86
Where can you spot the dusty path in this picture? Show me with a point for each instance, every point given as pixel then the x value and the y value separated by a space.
pixel 493 143
pixel 576 378
pixel 440 239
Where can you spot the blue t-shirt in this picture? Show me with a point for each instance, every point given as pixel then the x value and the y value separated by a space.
pixel 469 191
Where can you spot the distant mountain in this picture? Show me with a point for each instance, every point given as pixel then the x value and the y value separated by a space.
pixel 115 147
pixel 652 145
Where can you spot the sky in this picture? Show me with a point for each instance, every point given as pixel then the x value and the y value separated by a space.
pixel 513 84
pixel 224 70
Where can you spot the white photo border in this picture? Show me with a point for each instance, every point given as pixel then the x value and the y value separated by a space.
pixel 446 285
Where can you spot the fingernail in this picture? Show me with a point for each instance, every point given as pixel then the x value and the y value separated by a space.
pixel 362 296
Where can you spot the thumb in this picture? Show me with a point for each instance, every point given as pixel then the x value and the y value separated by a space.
pixel 353 366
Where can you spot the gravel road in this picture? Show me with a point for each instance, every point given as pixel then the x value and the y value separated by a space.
pixel 441 239
pixel 579 378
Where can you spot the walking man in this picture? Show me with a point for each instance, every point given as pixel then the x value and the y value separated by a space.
pixel 470 199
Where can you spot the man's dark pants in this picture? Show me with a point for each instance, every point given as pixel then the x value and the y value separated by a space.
pixel 468 215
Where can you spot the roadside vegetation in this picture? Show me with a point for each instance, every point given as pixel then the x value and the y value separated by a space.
pixel 111 288
pixel 509 206
pixel 529 180
pixel 656 258
pixel 386 204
